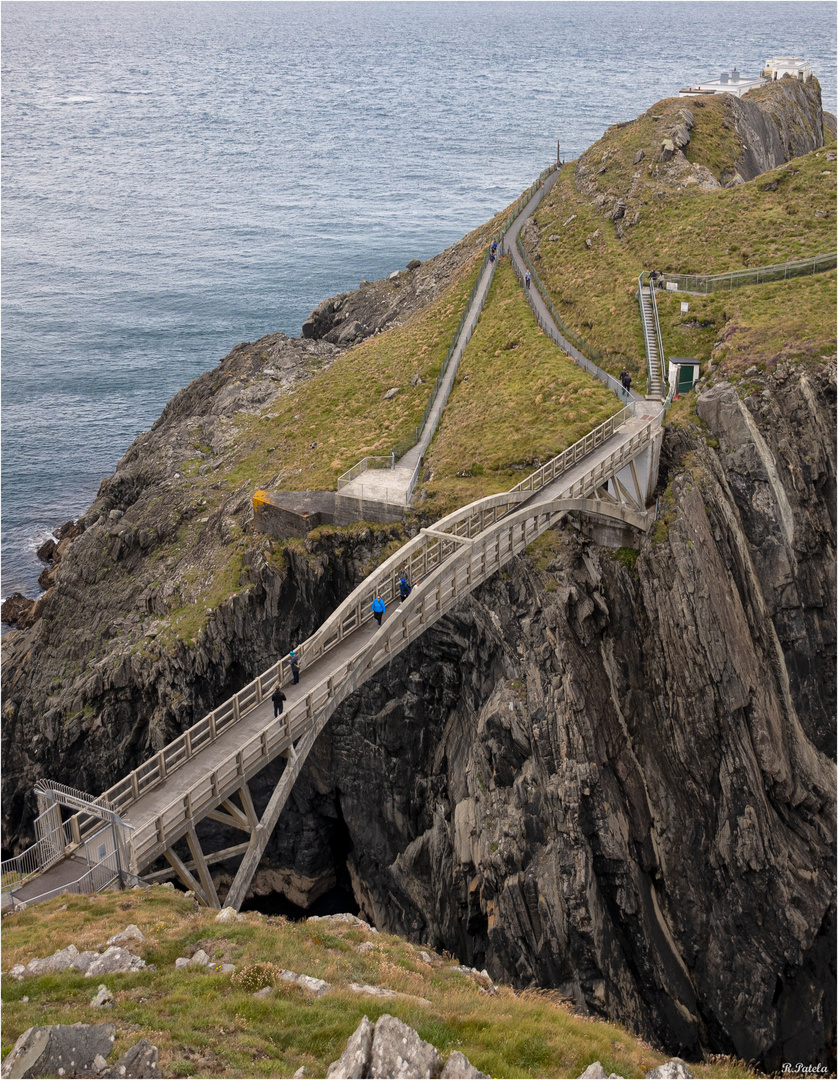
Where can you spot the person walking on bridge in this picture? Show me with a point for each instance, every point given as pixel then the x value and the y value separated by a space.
pixel 404 587
pixel 294 663
pixel 378 608
pixel 277 697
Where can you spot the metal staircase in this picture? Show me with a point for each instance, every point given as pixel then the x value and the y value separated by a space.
pixel 651 335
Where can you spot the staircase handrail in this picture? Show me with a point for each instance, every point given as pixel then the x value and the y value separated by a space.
pixel 661 356
pixel 646 342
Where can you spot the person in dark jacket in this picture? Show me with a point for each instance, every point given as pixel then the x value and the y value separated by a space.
pixel 404 588
pixel 293 660
pixel 277 697
pixel 378 608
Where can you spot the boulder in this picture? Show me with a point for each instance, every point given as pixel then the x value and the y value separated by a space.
pixel 58 1050
pixel 373 991
pixel 354 1060
pixel 102 999
pixel 200 957
pixel 114 961
pixel 130 933
pixel 318 987
pixel 458 1067
pixel 391 393
pixel 397 1051
pixel 667 149
pixel 228 914
pixel 674 1069
pixel 638 157
pixel 140 1062
pixel 414 264
pixel 16 611
pixel 594 1071
pixel 344 917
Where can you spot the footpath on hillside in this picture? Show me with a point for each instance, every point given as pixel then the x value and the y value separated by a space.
pixel 394 485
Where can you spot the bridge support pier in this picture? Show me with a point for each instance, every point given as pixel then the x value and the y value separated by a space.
pixel 262 832
pixel 633 485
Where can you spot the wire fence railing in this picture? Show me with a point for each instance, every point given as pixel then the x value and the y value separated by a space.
pixel 559 339
pixel 575 339
pixel 759 275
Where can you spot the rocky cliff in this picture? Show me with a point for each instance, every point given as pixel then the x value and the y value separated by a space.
pixel 612 776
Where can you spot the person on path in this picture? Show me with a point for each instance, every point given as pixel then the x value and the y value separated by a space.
pixel 626 380
pixel 494 247
pixel 277 697
pixel 378 608
pixel 492 257
pixel 293 660
pixel 527 278
pixel 404 587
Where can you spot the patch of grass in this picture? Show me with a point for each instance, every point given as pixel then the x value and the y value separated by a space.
pixel 760 324
pixel 518 400
pixel 626 557
pixel 207 1024
pixel 339 416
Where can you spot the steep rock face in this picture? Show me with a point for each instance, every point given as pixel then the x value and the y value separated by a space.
pixel 776 123
pixel 614 781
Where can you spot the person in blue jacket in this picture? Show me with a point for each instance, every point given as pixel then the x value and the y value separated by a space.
pixel 404 588
pixel 378 608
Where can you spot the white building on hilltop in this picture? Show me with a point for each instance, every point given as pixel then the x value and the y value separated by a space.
pixel 778 66
pixel 733 82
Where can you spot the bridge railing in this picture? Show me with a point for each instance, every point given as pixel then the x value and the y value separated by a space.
pixel 416 558
pixel 562 462
pixel 437 592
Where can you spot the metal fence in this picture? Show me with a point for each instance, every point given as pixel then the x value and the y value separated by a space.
pixel 759 275
pixel 362 466
pixel 575 353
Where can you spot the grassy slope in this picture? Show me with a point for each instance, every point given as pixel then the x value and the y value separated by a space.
pixel 762 324
pixel 681 229
pixel 207 1024
pixel 518 400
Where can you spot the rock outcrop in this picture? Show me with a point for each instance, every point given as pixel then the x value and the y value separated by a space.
pixel 765 129
pixel 77 1050
pixel 391 1048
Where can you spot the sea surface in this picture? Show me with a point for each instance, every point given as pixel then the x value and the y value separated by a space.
pixel 180 177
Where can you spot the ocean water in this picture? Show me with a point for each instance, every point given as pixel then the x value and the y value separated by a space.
pixel 180 177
